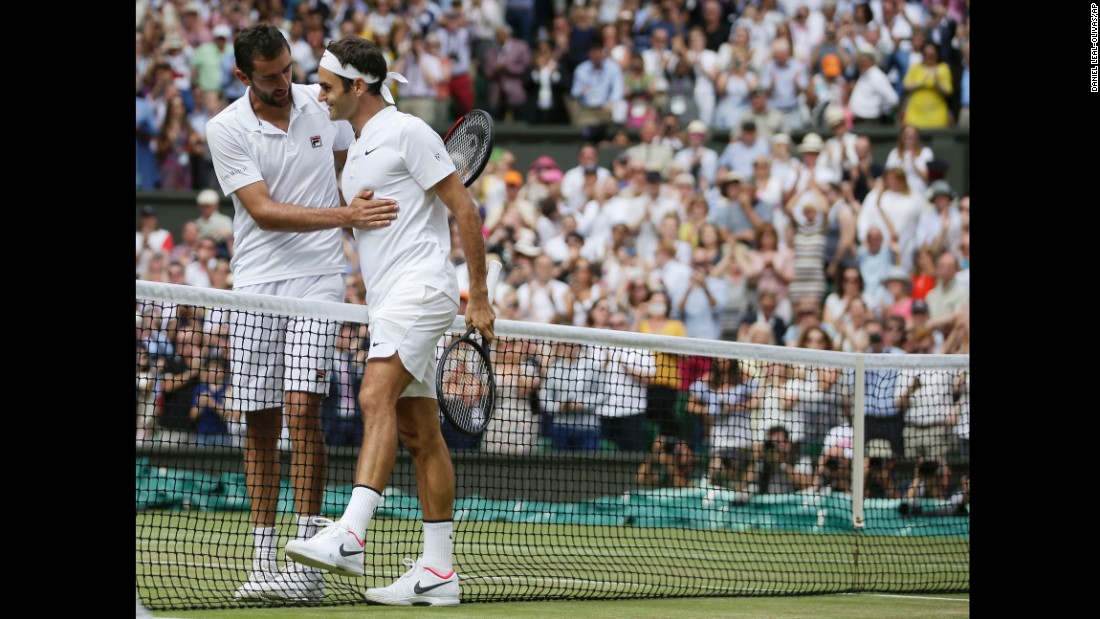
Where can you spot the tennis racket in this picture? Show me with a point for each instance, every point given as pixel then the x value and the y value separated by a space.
pixel 469 143
pixel 464 376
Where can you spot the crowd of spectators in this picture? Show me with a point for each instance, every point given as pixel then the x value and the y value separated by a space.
pixel 810 243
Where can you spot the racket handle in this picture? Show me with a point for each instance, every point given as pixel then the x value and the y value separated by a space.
pixel 491 278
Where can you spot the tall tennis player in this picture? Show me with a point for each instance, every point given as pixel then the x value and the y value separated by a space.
pixel 412 292
pixel 275 152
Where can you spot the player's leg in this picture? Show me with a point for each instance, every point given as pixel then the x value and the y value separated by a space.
pixel 339 546
pixel 431 579
pixel 307 358
pixel 256 380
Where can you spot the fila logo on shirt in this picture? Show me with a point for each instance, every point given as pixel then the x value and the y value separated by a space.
pixel 315 141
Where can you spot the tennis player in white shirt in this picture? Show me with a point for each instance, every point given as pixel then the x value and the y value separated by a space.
pixel 275 152
pixel 412 292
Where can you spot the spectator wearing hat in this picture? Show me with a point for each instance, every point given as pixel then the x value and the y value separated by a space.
pixel 940 228
pixel 873 98
pixel 897 301
pixel 150 238
pixel 698 160
pixel 785 79
pixel 737 211
pixel 653 155
pixel 769 122
pixel 839 154
pixel 535 188
pixel 213 224
pixel 177 54
pixel 743 150
pixel 208 59
pixel 920 319
pixel 192 28
pixel 827 88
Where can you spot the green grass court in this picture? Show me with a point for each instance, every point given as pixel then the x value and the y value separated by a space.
pixel 200 557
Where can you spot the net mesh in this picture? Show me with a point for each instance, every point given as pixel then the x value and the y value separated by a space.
pixel 616 465
pixel 469 145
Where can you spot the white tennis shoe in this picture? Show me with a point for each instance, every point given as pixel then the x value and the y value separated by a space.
pixel 334 548
pixel 420 586
pixel 252 589
pixel 298 583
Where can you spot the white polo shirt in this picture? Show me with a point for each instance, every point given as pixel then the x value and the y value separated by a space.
pixel 401 158
pixel 298 168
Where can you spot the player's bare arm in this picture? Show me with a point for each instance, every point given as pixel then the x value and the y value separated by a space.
pixel 479 310
pixel 363 212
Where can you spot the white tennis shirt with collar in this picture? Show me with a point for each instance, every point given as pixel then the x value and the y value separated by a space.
pixel 297 166
pixel 401 158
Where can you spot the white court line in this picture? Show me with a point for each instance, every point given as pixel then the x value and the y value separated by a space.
pixel 909 597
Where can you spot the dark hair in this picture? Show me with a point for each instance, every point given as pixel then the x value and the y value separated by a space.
pixel 262 40
pixel 365 56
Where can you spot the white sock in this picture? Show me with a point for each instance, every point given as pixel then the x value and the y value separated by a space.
pixel 439 545
pixel 306 528
pixel 263 541
pixel 360 510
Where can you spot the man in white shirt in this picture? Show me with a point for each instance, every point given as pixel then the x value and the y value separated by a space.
pixel 412 292
pixel 275 152
pixel 873 96
pixel 572 183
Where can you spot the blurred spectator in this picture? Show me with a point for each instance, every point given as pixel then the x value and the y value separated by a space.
pixel 924 273
pixel 700 305
pixel 898 286
pixel 547 83
pixel 156 268
pixel 506 64
pixel 774 470
pixel 146 387
pixel 180 376
pixel 740 153
pixel 652 155
pixel 725 397
pixel 174 144
pixel 964 89
pixel 664 389
pixel 926 399
pixel 145 133
pixel 566 395
pixel 849 285
pixel 865 171
pixel 657 59
pixel 736 212
pixel 671 464
pixel 150 239
pixel 807 315
pixel 893 332
pixel 873 98
pixel 207 106
pixel 520 17
pixel 681 88
pixel 893 207
pixel 884 420
pixel 597 88
pixel 639 93
pixel 455 44
pixel 424 71
pixel 880 481
pixel 543 297
pixel 197 272
pixel 212 223
pixel 627 372
pixel 772 266
pixel 208 59
pixel 574 179
pixel 784 79
pixel 514 427
pixel 931 480
pixel 806 210
pixel 704 60
pixel 769 122
pixel 177 54
pixel 443 86
pixel 920 319
pixel 826 92
pixel 839 153
pixel 840 228
pixel 733 83
pixel 422 16
pixel 767 304
pixel 188 247
pixel 929 87
pixel 948 298
pixel 911 157
pixel 734 308
pixel 851 329
pixel 211 412
pixel 940 228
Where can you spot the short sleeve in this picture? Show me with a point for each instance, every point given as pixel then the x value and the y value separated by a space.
pixel 232 163
pixel 425 156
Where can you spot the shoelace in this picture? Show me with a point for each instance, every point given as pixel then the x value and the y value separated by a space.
pixel 409 563
pixel 321 521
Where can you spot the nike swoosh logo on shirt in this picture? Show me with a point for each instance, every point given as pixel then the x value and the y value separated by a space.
pixel 345 553
pixel 370 151
pixel 418 589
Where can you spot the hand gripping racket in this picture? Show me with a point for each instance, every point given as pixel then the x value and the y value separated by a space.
pixel 469 143
pixel 464 376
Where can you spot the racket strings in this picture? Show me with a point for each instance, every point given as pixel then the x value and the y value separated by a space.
pixel 465 385
pixel 469 145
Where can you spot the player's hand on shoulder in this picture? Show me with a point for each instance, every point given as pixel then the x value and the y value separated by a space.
pixel 369 213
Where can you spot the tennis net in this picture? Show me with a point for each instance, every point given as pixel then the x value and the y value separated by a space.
pixel 617 464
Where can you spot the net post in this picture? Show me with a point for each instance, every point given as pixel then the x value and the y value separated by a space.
pixel 858 433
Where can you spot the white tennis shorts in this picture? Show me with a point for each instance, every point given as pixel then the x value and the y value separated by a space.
pixel 410 321
pixel 274 354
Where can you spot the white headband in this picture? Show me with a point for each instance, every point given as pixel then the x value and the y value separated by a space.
pixel 332 63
